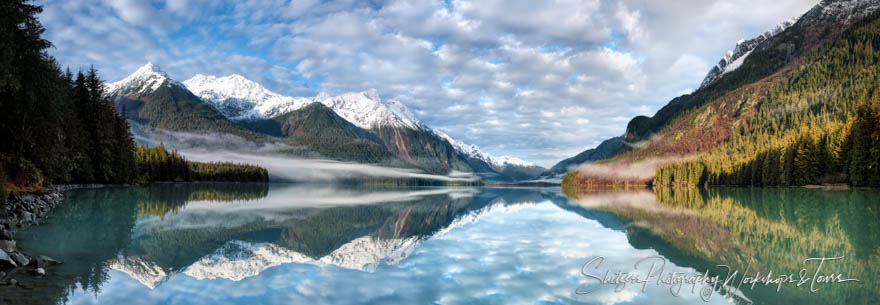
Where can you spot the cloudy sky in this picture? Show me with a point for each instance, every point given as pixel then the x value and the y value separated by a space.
pixel 538 80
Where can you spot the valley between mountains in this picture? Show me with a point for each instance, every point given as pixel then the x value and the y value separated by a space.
pixel 356 127
pixel 796 105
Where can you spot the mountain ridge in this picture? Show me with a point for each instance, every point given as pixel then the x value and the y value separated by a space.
pixel 244 107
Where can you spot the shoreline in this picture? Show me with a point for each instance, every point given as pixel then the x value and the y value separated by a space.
pixel 22 211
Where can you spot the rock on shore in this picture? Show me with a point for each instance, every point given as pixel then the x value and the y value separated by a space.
pixel 17 212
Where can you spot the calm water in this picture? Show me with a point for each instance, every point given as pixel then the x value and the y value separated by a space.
pixel 292 244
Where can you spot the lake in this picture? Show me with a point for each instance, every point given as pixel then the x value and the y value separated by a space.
pixel 315 244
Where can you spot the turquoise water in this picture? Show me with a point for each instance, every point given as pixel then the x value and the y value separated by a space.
pixel 306 244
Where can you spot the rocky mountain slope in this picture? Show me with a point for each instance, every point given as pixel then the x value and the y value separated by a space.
pixel 734 58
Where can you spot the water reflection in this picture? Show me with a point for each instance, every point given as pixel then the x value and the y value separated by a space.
pixel 257 243
pixel 763 229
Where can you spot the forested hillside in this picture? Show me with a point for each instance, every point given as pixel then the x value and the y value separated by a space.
pixel 172 107
pixel 817 124
pixel 321 130
pixel 802 109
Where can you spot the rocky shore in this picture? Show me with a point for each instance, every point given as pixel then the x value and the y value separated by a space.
pixel 18 212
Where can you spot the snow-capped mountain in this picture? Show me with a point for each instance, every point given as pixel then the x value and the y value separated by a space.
pixel 734 58
pixel 239 98
pixel 474 151
pixel 234 104
pixel 144 80
pixel 368 111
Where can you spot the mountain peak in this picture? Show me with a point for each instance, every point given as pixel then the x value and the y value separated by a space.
pixel 368 111
pixel 147 78
pixel 239 98
pixel 372 94
pixel 150 68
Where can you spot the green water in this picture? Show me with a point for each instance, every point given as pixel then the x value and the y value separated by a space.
pixel 305 244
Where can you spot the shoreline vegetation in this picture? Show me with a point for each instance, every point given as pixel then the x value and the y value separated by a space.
pixel 157 164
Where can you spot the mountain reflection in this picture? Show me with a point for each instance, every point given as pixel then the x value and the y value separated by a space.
pixel 234 231
pixel 438 241
pixel 763 229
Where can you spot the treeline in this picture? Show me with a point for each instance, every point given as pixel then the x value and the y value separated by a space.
pixel 847 154
pixel 157 164
pixel 55 127
pixel 818 123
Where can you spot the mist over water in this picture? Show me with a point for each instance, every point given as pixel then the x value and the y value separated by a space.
pixel 285 163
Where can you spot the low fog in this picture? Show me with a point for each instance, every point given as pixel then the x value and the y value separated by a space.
pixel 285 163
pixel 641 170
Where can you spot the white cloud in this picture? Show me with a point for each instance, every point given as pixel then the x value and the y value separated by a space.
pixel 480 70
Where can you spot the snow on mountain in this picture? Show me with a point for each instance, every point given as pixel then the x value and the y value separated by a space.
pixel 843 11
pixel 474 151
pixel 145 79
pixel 497 206
pixel 239 98
pixel 366 253
pixel 508 160
pixel 147 273
pixel 237 260
pixel 734 58
pixel 736 63
pixel 368 111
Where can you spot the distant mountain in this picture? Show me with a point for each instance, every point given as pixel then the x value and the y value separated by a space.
pixel 489 167
pixel 239 98
pixel 321 130
pixel 403 134
pixel 154 100
pixel 360 127
pixel 606 149
pixel 368 111
pixel 390 123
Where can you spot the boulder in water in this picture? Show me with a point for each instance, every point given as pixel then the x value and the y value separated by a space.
pixel 6 261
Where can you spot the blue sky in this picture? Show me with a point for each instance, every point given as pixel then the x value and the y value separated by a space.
pixel 536 80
